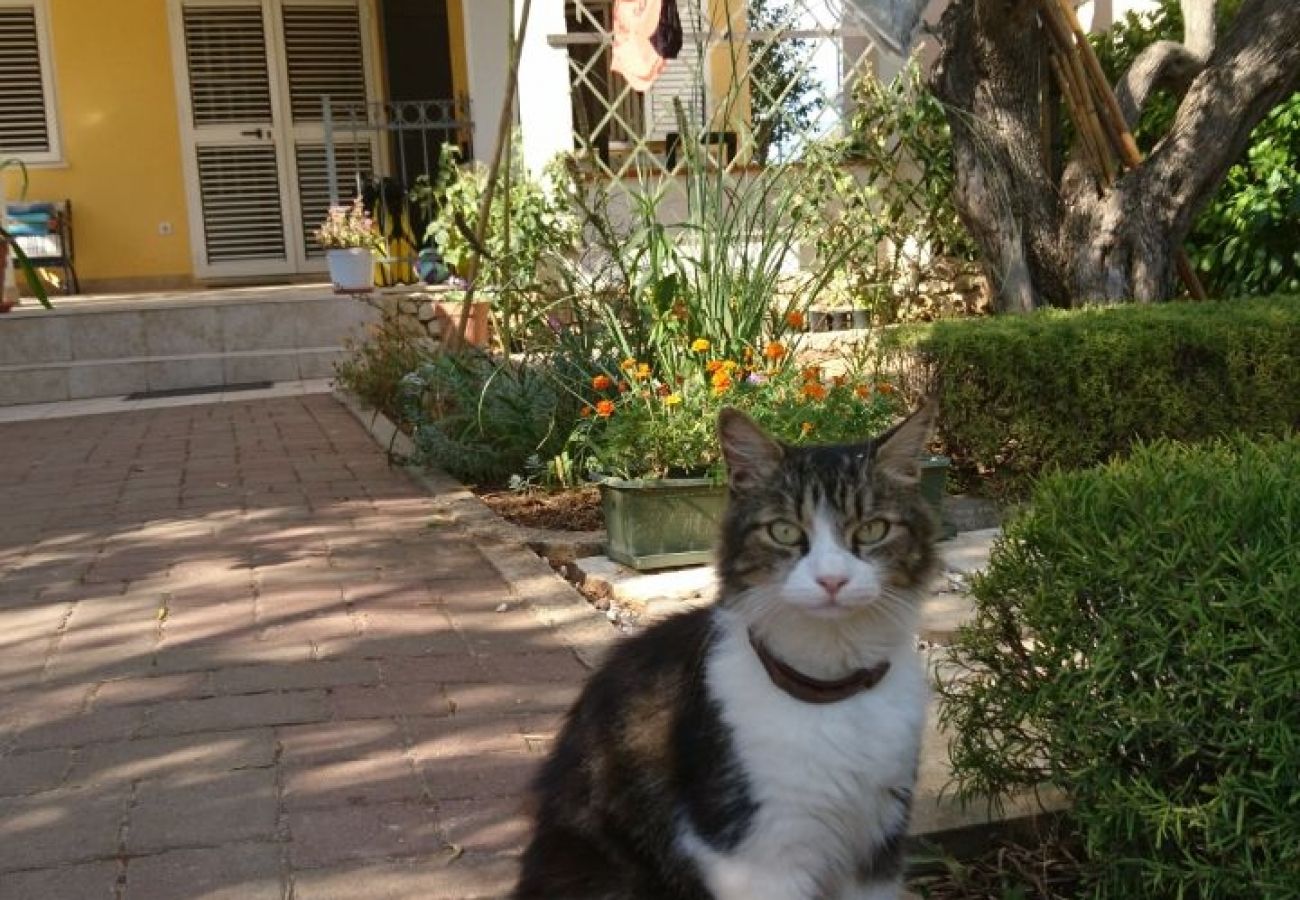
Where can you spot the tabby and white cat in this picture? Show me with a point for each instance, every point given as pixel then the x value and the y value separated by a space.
pixel 765 748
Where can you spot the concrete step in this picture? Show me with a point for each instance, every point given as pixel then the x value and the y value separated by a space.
pixel 82 350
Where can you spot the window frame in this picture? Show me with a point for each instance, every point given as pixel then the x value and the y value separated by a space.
pixel 54 155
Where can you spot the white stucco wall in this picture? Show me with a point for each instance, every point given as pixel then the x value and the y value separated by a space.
pixel 542 104
pixel 485 58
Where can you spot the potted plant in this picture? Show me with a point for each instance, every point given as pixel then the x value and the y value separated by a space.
pixel 9 246
pixel 350 239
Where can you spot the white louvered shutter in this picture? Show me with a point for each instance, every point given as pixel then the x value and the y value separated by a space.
pixel 352 159
pixel 26 119
pixel 683 78
pixel 323 52
pixel 325 57
pixel 230 92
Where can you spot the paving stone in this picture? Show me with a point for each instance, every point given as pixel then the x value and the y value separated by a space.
pixel 374 778
pixel 127 691
pixel 481 776
pixel 439 738
pixel 128 761
pixel 327 837
pixel 87 881
pixel 230 713
pixel 60 827
pixel 497 825
pixel 188 810
pixel 465 878
pixel 390 701
pixel 337 740
pixel 316 674
pixel 31 773
pixel 510 698
pixel 96 726
pixel 233 872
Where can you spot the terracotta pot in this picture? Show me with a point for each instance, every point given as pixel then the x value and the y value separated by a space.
pixel 477 329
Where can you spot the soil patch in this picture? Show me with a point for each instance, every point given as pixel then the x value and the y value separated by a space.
pixel 572 510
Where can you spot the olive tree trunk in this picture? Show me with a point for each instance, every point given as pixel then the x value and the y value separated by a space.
pixel 1049 234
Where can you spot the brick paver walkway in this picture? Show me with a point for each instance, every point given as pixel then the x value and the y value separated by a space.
pixel 236 663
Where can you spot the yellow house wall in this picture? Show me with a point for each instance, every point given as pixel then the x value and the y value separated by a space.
pixel 121 166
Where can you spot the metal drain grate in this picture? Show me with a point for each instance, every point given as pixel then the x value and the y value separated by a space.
pixel 199 391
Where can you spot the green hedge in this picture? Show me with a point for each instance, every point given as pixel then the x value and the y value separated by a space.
pixel 1021 395
pixel 1135 644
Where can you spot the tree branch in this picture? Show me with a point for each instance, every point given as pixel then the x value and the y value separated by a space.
pixel 1256 66
pixel 1169 64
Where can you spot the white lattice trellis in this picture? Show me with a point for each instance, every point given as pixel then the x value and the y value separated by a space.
pixel 747 69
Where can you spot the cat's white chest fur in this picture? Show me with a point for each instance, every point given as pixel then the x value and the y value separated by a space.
pixel 827 778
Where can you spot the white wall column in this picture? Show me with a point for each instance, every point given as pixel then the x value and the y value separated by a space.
pixel 488 64
pixel 545 111
pixel 542 103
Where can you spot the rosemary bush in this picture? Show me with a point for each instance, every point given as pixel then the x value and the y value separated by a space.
pixel 1134 645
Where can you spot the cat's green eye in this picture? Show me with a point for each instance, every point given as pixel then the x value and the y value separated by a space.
pixel 872 532
pixel 786 533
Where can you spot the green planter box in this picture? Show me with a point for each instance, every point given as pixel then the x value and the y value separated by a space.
pixel 661 523
pixel 934 483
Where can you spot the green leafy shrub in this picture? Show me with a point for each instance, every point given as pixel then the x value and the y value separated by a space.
pixel 1134 645
pixel 481 420
pixel 1021 395
pixel 374 366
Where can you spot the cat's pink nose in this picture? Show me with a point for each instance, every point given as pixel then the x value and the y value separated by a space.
pixel 832 583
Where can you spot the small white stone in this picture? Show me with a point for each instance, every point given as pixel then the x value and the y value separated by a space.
pixel 504 607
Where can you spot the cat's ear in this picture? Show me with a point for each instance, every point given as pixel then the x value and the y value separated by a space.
pixel 751 455
pixel 899 450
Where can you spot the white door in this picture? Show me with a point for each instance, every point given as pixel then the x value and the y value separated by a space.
pixel 252 73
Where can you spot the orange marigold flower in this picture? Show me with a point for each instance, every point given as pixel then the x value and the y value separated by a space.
pixel 721 381
pixel 627 365
pixel 700 345
pixel 840 380
pixel 774 350
pixel 602 382
pixel 605 409
pixel 806 428
pixel 794 320
pixel 663 390
pixel 712 366
pixel 862 391
pixel 885 387
pixel 812 373
pixel 813 390
pixel 585 412
pixel 729 365
pixel 642 371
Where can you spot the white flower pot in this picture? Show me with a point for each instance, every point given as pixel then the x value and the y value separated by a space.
pixel 352 269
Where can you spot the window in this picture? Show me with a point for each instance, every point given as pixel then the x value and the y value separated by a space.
pixel 27 116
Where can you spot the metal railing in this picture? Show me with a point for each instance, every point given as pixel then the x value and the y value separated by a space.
pixel 389 149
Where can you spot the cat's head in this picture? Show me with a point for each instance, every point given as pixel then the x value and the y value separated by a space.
pixel 830 532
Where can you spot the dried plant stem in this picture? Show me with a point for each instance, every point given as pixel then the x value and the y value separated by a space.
pixel 505 133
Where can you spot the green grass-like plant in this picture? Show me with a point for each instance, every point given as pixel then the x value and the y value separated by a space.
pixel 1134 645
pixel 1023 395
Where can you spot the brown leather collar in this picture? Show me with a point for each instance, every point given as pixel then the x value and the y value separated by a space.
pixel 814 690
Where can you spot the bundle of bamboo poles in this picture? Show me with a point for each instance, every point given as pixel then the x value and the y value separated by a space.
pixel 1105 138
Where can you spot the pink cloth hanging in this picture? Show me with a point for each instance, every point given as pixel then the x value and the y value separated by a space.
pixel 635 56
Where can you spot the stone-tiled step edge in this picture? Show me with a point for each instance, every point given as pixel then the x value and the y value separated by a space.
pixel 556 602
